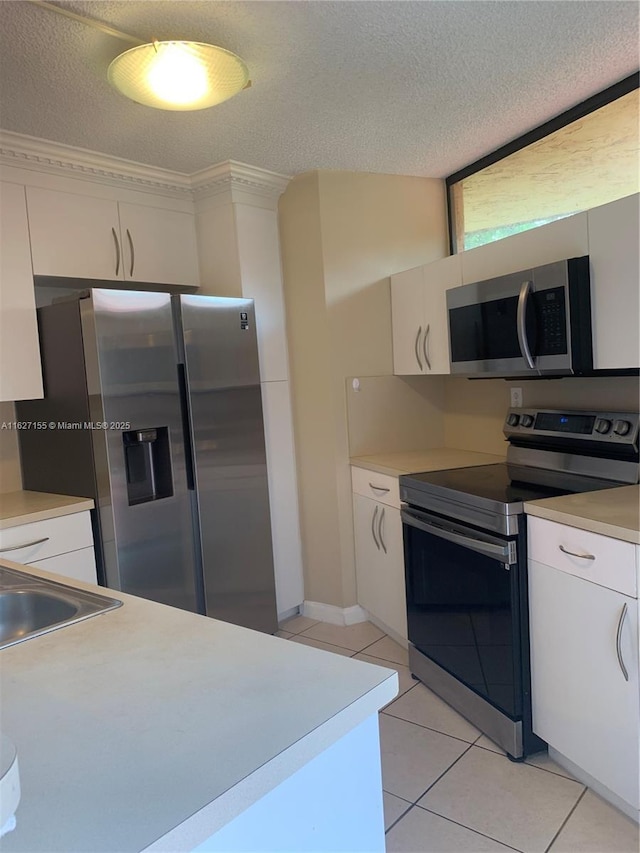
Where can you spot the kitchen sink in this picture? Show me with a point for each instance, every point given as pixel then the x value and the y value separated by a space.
pixel 31 606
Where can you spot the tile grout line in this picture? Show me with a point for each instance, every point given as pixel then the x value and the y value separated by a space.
pixel 564 822
pixel 553 772
pixel 403 815
pixel 313 640
pixel 444 772
pixel 469 829
pixel 295 633
pixel 528 763
pixel 415 803
pixel 428 728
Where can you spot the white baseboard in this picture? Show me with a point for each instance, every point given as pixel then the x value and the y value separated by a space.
pixel 332 614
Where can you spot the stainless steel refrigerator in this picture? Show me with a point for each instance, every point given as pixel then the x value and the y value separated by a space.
pixel 153 409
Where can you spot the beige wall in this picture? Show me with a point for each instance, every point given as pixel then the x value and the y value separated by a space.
pixel 342 234
pixel 474 410
pixel 10 473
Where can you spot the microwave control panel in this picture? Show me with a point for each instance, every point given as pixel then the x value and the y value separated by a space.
pixel 552 319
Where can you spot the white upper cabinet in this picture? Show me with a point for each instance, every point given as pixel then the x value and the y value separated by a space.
pixel 407 309
pixel 79 236
pixel 74 235
pixel 158 245
pixel 20 373
pixel 615 274
pixel 438 278
pixel 419 317
pixel 564 238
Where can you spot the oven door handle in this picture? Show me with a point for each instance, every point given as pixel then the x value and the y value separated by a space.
pixel 505 553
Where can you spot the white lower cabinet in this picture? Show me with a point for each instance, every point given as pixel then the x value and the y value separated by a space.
pixel 63 545
pixel 584 672
pixel 77 565
pixel 380 563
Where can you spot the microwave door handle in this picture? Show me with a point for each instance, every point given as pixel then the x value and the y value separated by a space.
pixel 505 553
pixel 521 319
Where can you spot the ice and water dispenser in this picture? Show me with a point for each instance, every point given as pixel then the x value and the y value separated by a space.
pixel 148 464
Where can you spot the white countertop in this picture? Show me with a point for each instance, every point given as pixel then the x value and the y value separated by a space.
pixel 24 507
pixel 414 461
pixel 612 512
pixel 148 721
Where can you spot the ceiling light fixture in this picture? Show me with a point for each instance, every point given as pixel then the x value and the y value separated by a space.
pixel 178 75
pixel 168 75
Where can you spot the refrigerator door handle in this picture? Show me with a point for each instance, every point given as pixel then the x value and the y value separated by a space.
pixel 186 427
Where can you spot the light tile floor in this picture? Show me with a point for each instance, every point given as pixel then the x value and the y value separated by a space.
pixel 449 789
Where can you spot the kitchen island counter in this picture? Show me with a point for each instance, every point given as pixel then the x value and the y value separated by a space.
pixel 148 727
pixel 415 461
pixel 611 512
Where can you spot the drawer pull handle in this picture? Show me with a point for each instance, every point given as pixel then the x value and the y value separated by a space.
pixel 573 554
pixel 623 616
pixel 379 488
pixel 373 527
pixel 24 545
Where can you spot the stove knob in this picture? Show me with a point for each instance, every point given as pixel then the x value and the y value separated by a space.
pixel 527 420
pixel 603 426
pixel 621 427
pixel 513 419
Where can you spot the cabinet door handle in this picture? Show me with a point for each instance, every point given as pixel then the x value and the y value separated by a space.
pixel 115 240
pixel 133 254
pixel 384 547
pixel 415 347
pixel 623 616
pixel 373 526
pixel 424 346
pixel 379 488
pixel 573 554
pixel 24 545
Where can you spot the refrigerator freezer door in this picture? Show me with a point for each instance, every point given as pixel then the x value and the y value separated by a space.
pixel 143 500
pixel 230 468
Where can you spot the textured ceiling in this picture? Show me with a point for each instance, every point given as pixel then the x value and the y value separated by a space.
pixel 420 88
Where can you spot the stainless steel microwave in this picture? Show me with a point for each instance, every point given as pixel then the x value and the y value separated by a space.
pixel 536 322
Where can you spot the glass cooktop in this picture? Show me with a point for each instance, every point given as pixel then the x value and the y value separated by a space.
pixel 489 482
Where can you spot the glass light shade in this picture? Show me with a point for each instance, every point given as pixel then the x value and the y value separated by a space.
pixel 178 75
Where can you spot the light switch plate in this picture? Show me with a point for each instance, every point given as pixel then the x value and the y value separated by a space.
pixel 516 398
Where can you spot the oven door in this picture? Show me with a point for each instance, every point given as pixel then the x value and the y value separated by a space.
pixel 463 608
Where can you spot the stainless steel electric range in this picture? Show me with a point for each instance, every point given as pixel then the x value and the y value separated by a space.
pixel 465 548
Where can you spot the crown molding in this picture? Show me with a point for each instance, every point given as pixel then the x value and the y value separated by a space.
pixel 42 155
pixel 241 181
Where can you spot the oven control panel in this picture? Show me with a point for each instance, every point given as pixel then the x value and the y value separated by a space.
pixel 610 427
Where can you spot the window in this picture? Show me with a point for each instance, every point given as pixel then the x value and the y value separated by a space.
pixel 586 157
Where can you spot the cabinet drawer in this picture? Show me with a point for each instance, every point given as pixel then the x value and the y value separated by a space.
pixel 77 565
pixel 23 544
pixel 613 564
pixel 380 487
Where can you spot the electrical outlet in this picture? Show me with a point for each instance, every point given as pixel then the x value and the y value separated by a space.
pixel 516 398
